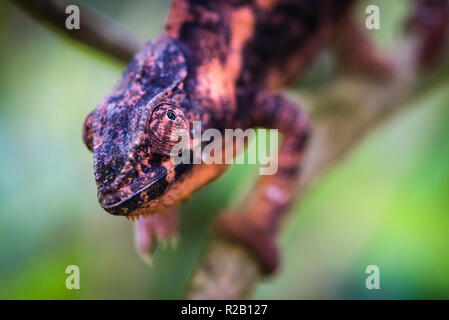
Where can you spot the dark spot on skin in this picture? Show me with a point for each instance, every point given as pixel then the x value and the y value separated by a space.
pixel 290 171
pixel 181 169
pixel 210 24
pixel 157 188
pixel 109 171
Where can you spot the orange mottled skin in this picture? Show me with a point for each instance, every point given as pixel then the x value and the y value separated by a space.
pixel 218 62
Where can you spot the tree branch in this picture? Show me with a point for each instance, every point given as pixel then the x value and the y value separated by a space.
pixel 95 30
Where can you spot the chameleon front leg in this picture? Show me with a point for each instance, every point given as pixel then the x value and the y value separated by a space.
pixel 256 222
pixel 153 229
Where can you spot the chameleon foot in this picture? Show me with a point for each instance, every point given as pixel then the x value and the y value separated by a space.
pixel 260 243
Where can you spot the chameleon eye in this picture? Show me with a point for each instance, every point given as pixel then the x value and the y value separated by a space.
pixel 165 126
pixel 171 115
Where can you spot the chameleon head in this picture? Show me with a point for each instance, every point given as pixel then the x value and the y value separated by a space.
pixel 130 134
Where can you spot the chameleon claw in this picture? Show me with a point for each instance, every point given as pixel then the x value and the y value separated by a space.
pixel 174 241
pixel 144 241
pixel 169 242
pixel 148 259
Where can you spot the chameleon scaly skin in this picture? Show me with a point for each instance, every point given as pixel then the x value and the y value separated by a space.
pixel 218 62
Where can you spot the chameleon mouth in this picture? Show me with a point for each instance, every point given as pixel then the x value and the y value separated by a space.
pixel 124 201
pixel 140 187
pixel 133 186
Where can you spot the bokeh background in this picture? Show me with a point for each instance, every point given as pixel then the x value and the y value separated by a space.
pixel 387 204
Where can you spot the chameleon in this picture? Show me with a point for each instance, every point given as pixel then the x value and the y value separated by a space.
pixel 222 63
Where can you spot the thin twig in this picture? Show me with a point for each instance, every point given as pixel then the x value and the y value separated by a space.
pixel 95 30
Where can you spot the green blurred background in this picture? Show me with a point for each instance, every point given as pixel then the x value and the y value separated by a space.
pixel 386 205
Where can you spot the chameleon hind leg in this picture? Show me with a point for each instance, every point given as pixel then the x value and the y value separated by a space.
pixel 356 51
pixel 429 21
pixel 256 222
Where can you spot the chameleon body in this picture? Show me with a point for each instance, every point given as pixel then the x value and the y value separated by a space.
pixel 221 63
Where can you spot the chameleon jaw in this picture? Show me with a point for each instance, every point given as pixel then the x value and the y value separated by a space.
pixel 141 202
